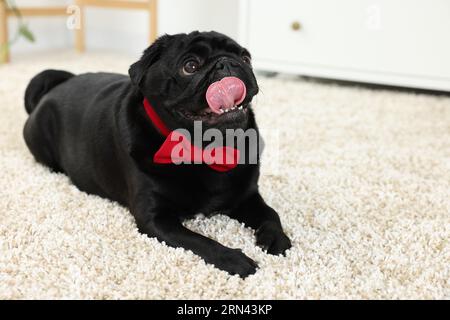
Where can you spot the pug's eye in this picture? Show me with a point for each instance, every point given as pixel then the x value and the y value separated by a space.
pixel 247 59
pixel 191 66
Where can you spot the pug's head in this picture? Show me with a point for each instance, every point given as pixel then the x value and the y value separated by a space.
pixel 201 76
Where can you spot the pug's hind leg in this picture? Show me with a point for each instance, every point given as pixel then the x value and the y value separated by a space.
pixel 168 228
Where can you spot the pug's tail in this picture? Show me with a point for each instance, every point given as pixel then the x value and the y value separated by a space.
pixel 41 84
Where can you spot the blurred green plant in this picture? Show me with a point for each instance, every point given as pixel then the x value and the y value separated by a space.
pixel 22 29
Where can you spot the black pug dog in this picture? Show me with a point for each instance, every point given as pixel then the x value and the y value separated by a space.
pixel 103 130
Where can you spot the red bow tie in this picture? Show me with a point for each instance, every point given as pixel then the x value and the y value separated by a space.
pixel 178 149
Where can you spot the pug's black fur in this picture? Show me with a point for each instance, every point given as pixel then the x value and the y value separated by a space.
pixel 93 127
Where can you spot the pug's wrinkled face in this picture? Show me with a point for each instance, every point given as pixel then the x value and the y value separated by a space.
pixel 201 76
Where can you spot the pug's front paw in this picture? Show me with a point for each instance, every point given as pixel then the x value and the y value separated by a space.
pixel 271 237
pixel 235 262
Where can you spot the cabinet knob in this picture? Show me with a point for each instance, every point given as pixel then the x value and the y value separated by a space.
pixel 296 26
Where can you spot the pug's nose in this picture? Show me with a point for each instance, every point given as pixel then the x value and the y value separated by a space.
pixel 221 65
pixel 224 68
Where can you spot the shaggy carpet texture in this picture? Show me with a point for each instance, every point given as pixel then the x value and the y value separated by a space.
pixel 360 178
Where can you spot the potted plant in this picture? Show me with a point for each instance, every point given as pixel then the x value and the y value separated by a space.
pixel 22 29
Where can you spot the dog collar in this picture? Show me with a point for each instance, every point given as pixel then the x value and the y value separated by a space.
pixel 177 148
pixel 155 119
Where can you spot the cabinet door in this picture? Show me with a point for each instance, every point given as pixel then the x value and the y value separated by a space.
pixel 406 37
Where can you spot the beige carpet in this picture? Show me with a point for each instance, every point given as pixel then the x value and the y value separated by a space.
pixel 363 190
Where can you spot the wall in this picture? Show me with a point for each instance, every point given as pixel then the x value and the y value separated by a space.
pixel 127 30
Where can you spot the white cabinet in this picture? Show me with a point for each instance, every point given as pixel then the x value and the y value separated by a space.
pixel 394 42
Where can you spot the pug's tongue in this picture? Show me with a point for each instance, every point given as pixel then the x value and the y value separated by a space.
pixel 225 94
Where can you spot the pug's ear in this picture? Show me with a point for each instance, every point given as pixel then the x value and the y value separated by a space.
pixel 150 56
